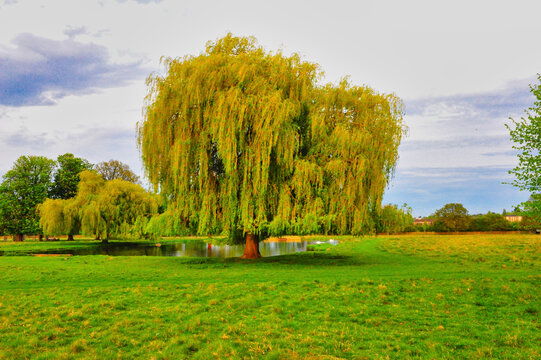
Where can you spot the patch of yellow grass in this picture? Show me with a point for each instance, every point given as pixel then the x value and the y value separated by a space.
pixel 513 248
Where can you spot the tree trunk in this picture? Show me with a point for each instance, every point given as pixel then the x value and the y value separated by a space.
pixel 18 237
pixel 40 237
pixel 251 250
pixel 70 237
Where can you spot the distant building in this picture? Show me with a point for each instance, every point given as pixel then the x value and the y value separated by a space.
pixel 513 218
pixel 423 221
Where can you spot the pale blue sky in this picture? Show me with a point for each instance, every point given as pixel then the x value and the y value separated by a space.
pixel 72 76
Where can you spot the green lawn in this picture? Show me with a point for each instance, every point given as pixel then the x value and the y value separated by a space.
pixel 388 297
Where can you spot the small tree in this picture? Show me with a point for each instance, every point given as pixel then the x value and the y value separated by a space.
pixel 490 222
pixel 114 169
pixel 122 205
pixel 531 211
pixel 3 222
pixel 59 217
pixel 105 209
pixel 393 219
pixel 66 176
pixel 452 217
pixel 526 135
pixel 24 187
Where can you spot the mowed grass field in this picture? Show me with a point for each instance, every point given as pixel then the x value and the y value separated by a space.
pixel 388 297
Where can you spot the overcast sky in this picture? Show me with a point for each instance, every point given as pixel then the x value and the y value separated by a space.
pixel 72 77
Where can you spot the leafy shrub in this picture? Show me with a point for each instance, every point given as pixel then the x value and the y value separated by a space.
pixel 531 212
pixel 452 217
pixel 490 222
pixel 393 219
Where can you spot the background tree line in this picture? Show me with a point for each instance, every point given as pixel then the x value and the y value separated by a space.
pixel 71 196
pixel 34 179
pixel 455 217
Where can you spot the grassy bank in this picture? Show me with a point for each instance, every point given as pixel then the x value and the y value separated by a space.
pixel 385 297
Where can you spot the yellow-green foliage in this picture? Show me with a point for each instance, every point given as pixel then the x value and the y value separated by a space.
pixel 355 134
pixel 237 137
pixel 393 219
pixel 121 204
pixel 168 224
pixel 115 208
pixel 59 217
pixel 52 218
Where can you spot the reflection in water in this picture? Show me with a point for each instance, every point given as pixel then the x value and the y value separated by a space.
pixel 192 248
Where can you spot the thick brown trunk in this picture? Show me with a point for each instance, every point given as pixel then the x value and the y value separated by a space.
pixel 70 237
pixel 18 237
pixel 251 250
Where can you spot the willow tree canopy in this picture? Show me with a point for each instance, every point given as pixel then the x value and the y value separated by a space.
pixel 239 137
pixel 115 208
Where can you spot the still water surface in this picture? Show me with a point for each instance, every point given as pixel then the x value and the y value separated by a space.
pixel 192 248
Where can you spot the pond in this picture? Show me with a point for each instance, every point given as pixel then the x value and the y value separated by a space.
pixel 191 248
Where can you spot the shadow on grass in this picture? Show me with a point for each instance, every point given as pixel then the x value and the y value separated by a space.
pixel 302 259
pixel 312 259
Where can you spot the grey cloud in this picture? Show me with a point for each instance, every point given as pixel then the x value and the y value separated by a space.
pixel 25 139
pixel 101 33
pixel 512 99
pixel 501 153
pixel 453 143
pixel 40 70
pixel 72 31
pixel 455 174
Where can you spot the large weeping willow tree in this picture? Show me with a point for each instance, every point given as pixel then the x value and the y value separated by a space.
pixel 238 137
